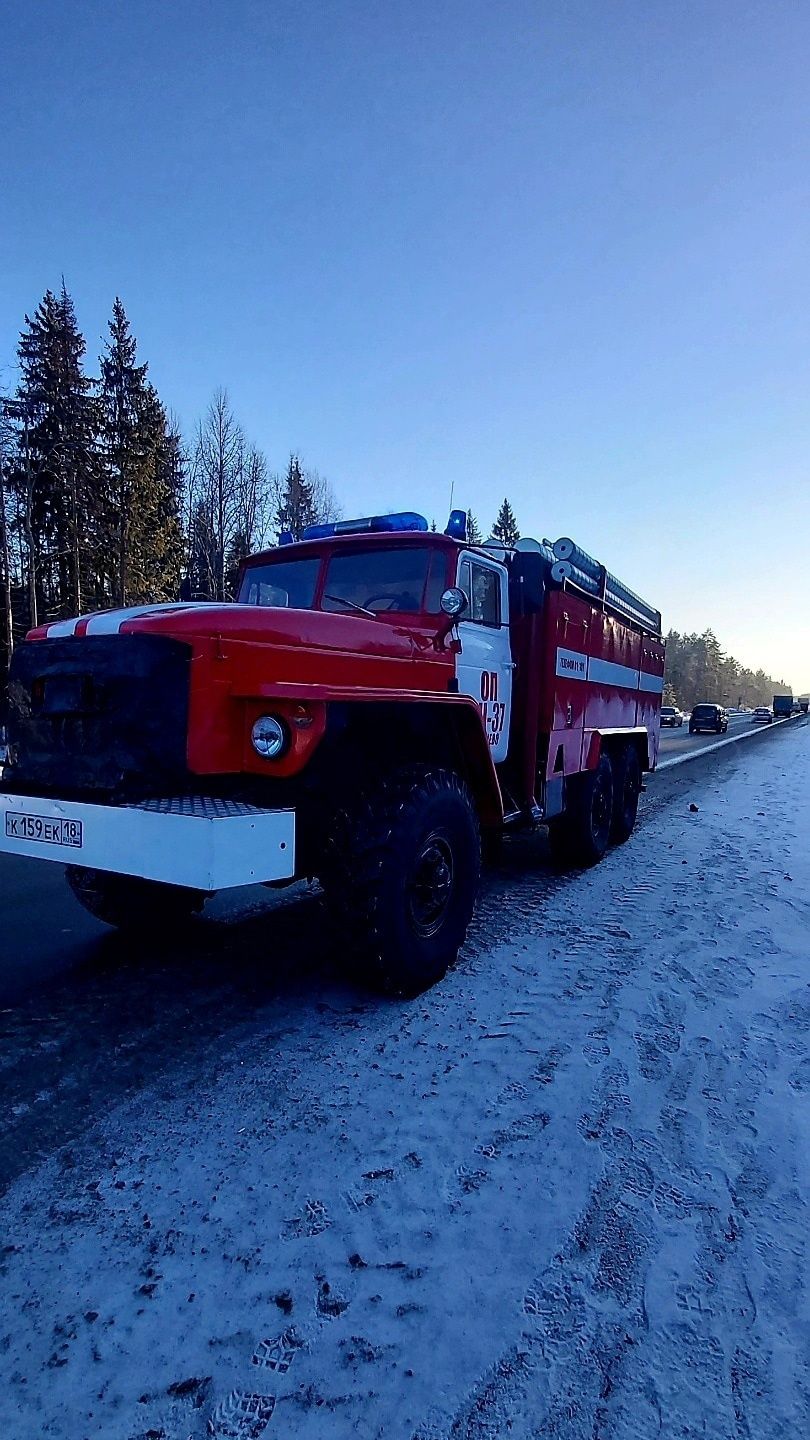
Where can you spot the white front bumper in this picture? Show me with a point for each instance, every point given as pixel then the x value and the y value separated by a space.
pixel 206 843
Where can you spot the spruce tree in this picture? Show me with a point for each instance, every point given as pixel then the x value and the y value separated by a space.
pixel 201 578
pixel 505 528
pixel 170 556
pixel 474 536
pixel 126 448
pixel 143 474
pixel 296 507
pixel 57 474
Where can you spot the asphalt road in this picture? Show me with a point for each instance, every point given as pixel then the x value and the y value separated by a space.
pixel 680 742
pixel 45 934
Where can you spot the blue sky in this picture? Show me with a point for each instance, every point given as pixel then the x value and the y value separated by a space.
pixel 559 251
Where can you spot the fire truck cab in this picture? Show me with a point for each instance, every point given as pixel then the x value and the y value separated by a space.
pixel 380 702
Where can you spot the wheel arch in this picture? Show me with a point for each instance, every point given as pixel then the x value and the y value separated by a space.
pixel 446 732
pixel 611 742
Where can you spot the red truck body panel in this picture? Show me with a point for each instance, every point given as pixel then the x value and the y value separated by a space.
pixel 594 666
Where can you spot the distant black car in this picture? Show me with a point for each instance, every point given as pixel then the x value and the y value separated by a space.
pixel 708 717
pixel 671 715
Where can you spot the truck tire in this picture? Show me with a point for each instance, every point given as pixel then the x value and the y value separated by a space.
pixel 401 876
pixel 626 792
pixel 129 903
pixel 582 835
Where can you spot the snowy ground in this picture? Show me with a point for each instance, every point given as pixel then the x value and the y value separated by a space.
pixel 565 1194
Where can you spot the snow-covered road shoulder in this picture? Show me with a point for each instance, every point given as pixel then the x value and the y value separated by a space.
pixel 565 1194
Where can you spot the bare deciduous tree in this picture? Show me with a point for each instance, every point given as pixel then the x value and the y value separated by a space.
pixel 230 500
pixel 216 478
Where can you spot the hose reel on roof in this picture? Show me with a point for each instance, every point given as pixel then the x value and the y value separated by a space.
pixel 576 567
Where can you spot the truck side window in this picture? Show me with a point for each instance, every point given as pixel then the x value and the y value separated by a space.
pixel 485 596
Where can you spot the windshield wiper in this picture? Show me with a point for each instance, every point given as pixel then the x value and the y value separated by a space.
pixel 351 605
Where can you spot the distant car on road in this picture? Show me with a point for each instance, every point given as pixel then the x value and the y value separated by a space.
pixel 671 715
pixel 763 715
pixel 708 717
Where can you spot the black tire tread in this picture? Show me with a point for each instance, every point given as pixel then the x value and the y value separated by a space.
pixel 620 830
pixel 362 839
pixel 568 838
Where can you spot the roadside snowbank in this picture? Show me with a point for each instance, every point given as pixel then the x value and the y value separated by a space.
pixel 563 1195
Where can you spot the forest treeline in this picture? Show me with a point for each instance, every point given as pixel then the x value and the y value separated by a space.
pixel 697 669
pixel 104 502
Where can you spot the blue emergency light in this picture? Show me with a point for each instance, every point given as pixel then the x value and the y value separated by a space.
pixel 370 525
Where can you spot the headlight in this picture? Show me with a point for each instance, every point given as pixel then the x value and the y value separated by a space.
pixel 269 737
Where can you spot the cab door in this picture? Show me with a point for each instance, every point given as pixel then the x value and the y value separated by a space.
pixel 484 665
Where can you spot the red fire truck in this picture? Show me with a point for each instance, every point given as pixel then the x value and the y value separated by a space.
pixel 379 705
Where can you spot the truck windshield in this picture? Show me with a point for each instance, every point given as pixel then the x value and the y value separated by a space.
pixel 283 584
pixel 383 581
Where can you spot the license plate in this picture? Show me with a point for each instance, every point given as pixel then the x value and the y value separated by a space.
pixel 44 828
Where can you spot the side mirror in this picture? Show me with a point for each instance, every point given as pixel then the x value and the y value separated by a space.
pixel 454 602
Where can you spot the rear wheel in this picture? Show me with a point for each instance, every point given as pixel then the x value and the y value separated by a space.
pixel 626 792
pixel 130 903
pixel 401 876
pixel 582 835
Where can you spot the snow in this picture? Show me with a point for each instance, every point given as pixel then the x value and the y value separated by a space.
pixel 564 1194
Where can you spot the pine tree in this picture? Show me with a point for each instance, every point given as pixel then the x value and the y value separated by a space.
pixel 474 536
pixel 505 528
pixel 296 507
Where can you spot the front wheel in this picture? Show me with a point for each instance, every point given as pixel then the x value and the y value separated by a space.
pixel 130 903
pixel 401 874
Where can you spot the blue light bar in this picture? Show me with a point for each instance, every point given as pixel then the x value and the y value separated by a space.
pixel 370 524
pixel 457 525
